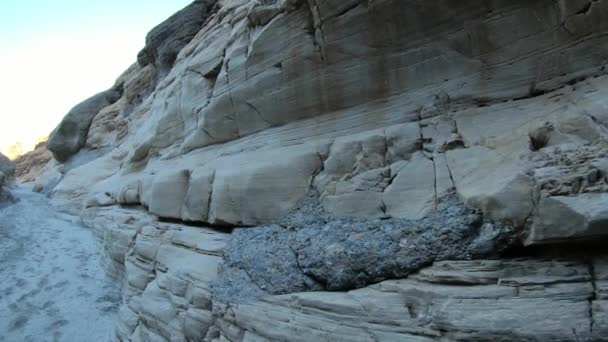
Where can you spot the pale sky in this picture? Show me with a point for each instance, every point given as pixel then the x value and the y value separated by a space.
pixel 56 53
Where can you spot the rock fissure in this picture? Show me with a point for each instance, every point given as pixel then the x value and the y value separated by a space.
pixel 259 114
pixel 316 28
pixel 594 295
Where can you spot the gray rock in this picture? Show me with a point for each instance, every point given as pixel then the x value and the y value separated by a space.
pixel 3 193
pixel 271 263
pixel 71 134
pixel 348 253
pixel 563 219
pixel 7 167
pixel 166 40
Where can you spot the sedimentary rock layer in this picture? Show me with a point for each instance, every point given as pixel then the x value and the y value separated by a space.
pixel 171 294
pixel 384 109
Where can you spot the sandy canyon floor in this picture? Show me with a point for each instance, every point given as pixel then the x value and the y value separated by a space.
pixel 52 284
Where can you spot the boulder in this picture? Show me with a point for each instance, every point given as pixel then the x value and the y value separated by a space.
pixel 71 134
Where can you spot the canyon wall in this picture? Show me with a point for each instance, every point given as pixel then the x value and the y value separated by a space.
pixel 7 169
pixel 351 170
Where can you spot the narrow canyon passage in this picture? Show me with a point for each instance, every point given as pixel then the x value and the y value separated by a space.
pixel 52 285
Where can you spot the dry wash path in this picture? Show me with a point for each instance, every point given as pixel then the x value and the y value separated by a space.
pixel 52 285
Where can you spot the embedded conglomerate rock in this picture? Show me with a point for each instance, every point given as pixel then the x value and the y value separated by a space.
pixel 349 253
pixel 7 167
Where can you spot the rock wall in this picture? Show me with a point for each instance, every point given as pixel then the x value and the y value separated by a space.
pixel 172 292
pixel 419 159
pixel 7 169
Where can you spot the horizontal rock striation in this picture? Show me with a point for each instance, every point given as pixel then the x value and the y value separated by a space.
pixel 445 141
pixel 210 131
pixel 171 292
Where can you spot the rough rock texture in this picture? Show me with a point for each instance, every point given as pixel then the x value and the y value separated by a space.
pixel 7 167
pixel 30 165
pixel 342 254
pixel 384 109
pixel 485 300
pixel 171 293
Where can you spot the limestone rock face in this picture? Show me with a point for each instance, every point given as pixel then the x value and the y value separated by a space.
pixel 70 136
pixel 198 174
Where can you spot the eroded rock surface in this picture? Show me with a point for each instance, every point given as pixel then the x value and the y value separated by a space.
pixel 431 131
pixel 30 165
pixel 172 291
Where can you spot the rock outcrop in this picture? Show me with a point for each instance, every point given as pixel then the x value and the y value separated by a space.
pixel 165 41
pixel 7 169
pixel 173 292
pixel 346 170
pixel 30 165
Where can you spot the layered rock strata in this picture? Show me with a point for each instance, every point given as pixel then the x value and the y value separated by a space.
pixel 172 292
pixel 434 134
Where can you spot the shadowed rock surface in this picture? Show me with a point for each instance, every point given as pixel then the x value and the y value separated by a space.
pixel 71 134
pixel 30 165
pixel 166 40
pixel 7 169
